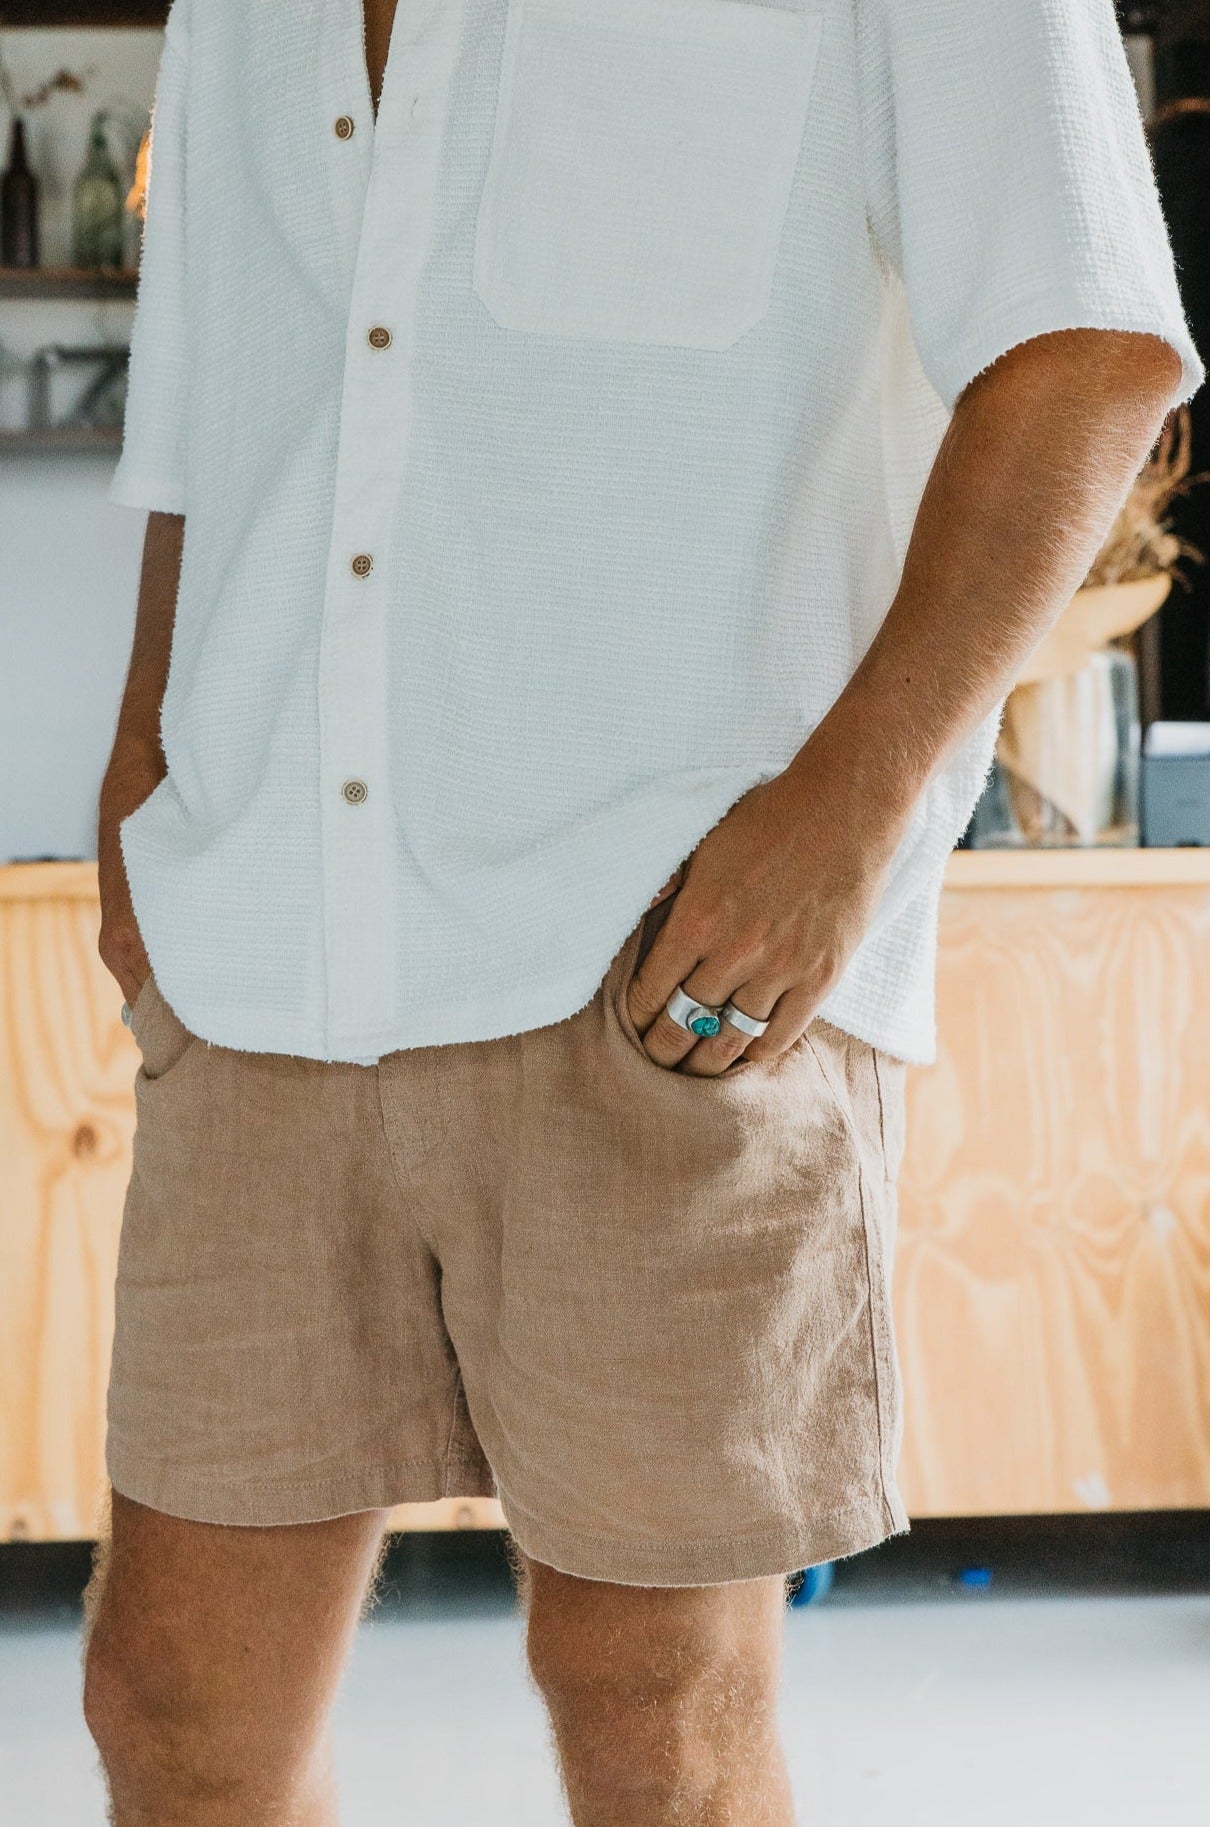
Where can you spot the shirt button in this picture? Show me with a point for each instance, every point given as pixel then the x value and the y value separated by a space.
pixel 354 792
pixel 380 337
pixel 362 565
pixel 344 127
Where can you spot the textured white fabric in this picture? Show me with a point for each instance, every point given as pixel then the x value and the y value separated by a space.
pixel 680 295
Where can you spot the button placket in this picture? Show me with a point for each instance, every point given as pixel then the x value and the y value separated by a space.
pixel 401 161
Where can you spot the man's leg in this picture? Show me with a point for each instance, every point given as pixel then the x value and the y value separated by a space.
pixel 663 1699
pixel 213 1657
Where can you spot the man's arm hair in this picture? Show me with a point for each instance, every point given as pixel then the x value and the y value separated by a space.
pixel 1040 454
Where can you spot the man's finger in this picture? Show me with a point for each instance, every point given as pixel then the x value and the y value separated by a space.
pixel 711 1057
pixel 672 958
pixel 707 982
pixel 790 1020
pixel 719 1051
pixel 666 1042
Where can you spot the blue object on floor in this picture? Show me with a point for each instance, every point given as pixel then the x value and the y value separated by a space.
pixel 816 1583
pixel 974 1576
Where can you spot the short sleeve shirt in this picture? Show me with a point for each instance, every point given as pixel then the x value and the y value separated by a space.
pixel 549 447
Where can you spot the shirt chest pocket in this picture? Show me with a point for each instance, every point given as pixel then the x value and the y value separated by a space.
pixel 641 167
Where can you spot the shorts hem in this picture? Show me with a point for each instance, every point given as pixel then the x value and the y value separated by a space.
pixel 716 1562
pixel 264 1504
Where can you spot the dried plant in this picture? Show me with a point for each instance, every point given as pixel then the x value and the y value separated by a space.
pixel 1141 542
pixel 63 82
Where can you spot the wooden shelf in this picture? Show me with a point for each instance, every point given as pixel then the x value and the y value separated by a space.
pixel 65 282
pixel 85 12
pixel 69 438
pixel 1128 867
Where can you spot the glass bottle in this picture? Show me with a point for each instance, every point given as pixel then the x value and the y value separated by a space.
pixel 18 205
pixel 98 221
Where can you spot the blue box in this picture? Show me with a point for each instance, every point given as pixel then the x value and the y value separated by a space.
pixel 1176 785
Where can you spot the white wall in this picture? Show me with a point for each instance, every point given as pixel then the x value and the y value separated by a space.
pixel 68 560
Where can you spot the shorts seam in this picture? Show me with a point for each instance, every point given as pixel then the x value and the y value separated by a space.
pixel 881 1112
pixel 884 1479
pixel 449 1456
pixel 875 1363
pixel 408 1205
pixel 282 1505
pixel 704 1543
pixel 718 1560
pixel 284 1486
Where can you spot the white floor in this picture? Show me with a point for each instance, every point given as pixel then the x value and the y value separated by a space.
pixel 977 1712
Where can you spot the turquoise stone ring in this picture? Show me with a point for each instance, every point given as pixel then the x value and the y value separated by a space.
pixel 695 1017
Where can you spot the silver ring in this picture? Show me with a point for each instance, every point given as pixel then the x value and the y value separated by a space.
pixel 697 1018
pixel 747 1024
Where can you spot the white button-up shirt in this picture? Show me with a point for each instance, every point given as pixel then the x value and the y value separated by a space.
pixel 549 449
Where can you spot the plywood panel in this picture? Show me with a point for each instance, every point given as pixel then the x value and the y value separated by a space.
pixel 1053 1273
pixel 66 1123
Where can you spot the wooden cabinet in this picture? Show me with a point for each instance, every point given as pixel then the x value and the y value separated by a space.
pixel 66 1120
pixel 1053 1275
pixel 1053 1267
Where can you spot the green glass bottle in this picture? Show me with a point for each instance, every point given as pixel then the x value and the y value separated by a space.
pixel 98 221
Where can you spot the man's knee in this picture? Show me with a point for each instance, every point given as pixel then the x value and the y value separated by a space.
pixel 139 1727
pixel 154 1738
pixel 653 1691
pixel 174 1735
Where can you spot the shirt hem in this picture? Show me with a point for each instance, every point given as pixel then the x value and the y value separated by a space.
pixel 443 1024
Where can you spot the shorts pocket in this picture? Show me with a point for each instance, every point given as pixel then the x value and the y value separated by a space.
pixel 142 997
pixel 161 1035
pixel 641 167
pixel 891 1077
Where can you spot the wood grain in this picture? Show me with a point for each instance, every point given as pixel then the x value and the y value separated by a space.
pixel 1053 1269
pixel 66 1122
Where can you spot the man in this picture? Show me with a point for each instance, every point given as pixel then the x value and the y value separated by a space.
pixel 604 446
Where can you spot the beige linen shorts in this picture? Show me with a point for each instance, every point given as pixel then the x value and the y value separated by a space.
pixel 649 1311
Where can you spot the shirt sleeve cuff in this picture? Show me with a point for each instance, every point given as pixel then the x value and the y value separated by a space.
pixel 156 492
pixel 998 331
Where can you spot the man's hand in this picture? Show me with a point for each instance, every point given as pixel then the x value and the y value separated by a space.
pixel 1040 454
pixel 132 774
pixel 773 903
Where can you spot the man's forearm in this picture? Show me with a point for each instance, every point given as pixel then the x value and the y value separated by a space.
pixel 138 733
pixel 1039 456
pixel 136 763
